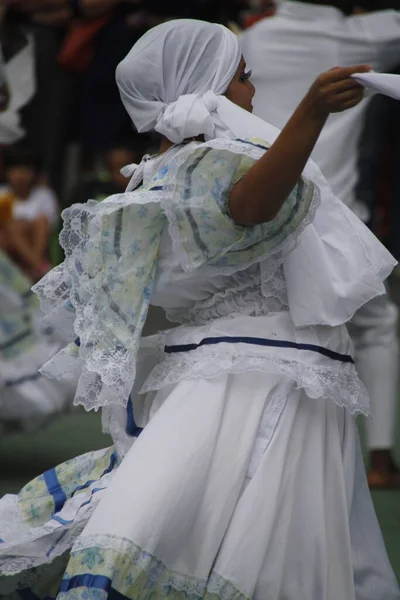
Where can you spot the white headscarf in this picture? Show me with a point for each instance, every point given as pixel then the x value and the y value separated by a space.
pixel 171 79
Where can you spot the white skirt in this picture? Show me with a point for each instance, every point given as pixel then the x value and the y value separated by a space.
pixel 239 487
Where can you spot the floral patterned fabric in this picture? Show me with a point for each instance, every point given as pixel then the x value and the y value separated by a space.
pixel 112 251
pixel 48 515
pixel 46 495
pixel 200 216
pixel 116 566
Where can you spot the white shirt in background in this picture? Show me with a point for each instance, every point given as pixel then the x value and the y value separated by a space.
pixel 20 74
pixel 288 51
pixel 41 201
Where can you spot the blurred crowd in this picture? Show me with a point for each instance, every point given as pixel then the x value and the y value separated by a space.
pixel 64 137
pixel 64 134
pixel 61 103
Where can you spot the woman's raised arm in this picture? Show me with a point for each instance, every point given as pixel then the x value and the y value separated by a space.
pixel 260 194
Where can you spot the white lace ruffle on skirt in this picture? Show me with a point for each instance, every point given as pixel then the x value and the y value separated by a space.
pixel 317 359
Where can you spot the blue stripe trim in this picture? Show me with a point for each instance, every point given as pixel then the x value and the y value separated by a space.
pixel 55 489
pixel 98 582
pixel 58 540
pixel 156 188
pixel 131 428
pixel 211 341
pixel 77 342
pixel 14 382
pixel 61 521
pixel 18 338
pixel 113 461
pixel 252 144
pixel 69 521
pixel 94 491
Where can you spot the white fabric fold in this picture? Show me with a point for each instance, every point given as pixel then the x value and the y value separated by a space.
pixel 387 84
pixel 338 265
pixel 189 116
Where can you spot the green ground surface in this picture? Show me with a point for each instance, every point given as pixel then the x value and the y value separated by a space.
pixel 23 457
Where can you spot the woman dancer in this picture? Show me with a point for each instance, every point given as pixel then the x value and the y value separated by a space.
pixel 246 479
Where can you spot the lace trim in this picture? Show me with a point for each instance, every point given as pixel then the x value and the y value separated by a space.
pixel 342 386
pixel 27 579
pixel 55 290
pixel 22 547
pixel 63 541
pixel 109 368
pixel 152 572
pixel 66 364
pixel 114 423
pixel 239 296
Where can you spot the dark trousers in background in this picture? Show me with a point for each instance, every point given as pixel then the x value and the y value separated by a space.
pixel 49 119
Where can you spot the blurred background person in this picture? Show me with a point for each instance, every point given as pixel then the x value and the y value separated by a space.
pixel 286 52
pixel 28 212
pixel 107 178
pixel 259 9
pixel 17 78
pixel 28 400
pixel 378 169
pixel 76 114
pixel 34 212
pixel 4 91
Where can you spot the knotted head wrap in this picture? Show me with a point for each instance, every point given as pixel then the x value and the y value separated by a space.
pixel 171 79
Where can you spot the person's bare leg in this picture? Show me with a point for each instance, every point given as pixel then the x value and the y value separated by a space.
pixel 19 243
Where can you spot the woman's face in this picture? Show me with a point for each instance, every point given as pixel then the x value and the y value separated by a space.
pixel 240 90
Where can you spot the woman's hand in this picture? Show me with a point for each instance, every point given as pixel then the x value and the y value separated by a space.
pixel 335 91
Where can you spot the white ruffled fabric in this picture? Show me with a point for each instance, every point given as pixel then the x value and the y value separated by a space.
pixel 329 272
pixel 319 375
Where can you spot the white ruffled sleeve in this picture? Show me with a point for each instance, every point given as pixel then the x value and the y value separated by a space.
pixel 338 264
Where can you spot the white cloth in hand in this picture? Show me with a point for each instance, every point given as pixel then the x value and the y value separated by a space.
pixel 381 83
